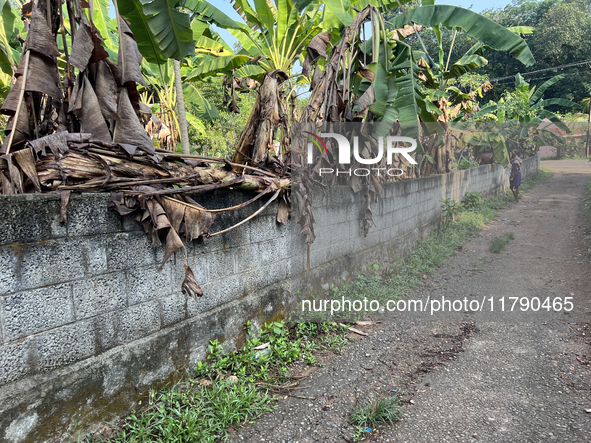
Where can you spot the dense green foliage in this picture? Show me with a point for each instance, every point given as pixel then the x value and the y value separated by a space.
pixel 561 35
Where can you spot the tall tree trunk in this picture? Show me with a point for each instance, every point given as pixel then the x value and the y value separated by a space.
pixel 180 104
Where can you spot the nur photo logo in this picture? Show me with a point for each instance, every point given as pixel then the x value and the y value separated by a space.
pixel 387 146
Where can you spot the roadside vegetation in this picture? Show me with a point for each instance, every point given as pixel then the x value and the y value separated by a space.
pixel 498 244
pixel 231 387
pixel 377 412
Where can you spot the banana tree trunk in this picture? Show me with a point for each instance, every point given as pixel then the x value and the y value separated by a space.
pixel 180 104
pixel 266 116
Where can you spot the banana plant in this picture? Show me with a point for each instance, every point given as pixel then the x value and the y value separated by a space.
pixel 522 112
pixel 445 101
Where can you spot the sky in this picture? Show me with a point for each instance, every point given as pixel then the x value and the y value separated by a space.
pixel 475 5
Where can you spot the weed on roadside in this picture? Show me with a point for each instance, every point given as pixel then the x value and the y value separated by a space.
pixel 229 387
pixel 375 413
pixel 499 244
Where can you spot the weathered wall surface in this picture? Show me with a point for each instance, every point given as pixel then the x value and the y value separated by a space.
pixel 87 323
pixel 406 213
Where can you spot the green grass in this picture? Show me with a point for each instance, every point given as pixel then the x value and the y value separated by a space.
pixel 190 412
pixel 375 413
pixel 230 387
pixel 499 244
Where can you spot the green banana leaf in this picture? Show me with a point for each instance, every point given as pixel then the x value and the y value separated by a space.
pixel 557 101
pixel 464 65
pixel 475 25
pixel 161 31
pixel 205 110
pixel 8 58
pixel 537 94
pixel 340 9
pixel 215 65
pixel 101 19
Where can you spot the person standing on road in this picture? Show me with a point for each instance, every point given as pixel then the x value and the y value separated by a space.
pixel 515 177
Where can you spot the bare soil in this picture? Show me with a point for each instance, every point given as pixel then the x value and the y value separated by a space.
pixel 472 376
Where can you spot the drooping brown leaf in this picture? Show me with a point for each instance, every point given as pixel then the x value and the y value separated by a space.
pixel 190 284
pixel 367 99
pixel 39 38
pixel 283 211
pixel 87 109
pixel 128 128
pixel 42 75
pixel 197 223
pixel 25 159
pixel 106 90
pixel 7 186
pixel 87 46
pixel 15 174
pixel 23 130
pixel 316 48
pixel 130 58
pixel 158 215
pixel 173 244
pixel 64 199
pixel 175 211
pixel 11 102
pixel 122 204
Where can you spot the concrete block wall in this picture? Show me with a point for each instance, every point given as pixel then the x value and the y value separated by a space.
pixel 87 323
pixel 405 214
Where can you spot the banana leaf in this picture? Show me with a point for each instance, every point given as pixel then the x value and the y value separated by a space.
pixel 205 110
pixel 215 65
pixel 161 30
pixel 473 24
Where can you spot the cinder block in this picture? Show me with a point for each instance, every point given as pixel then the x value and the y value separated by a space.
pixel 263 228
pixel 65 345
pixel 24 222
pixel 128 250
pixel 88 215
pixel 14 361
pixel 94 255
pixel 232 288
pixel 147 283
pixel 216 294
pixel 29 312
pixel 105 330
pixel 51 262
pixel 8 269
pixel 174 308
pixel 220 264
pixel 278 272
pixel 247 257
pixel 207 302
pixel 271 252
pixel 254 280
pixel 98 295
pixel 138 321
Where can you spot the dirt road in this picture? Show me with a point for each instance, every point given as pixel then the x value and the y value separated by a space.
pixel 495 376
